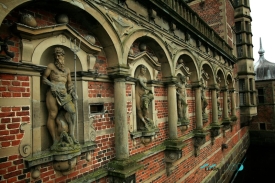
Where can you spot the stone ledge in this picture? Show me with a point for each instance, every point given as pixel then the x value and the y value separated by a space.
pixel 91 177
pixel 49 156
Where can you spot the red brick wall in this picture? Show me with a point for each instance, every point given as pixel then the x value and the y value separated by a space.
pixel 14 85
pixel 100 90
pixel 265 112
pixel 210 13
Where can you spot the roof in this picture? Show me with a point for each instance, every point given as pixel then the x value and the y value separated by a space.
pixel 264 69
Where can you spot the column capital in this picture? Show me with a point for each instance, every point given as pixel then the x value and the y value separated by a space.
pixel 214 87
pixel 118 71
pixel 171 80
pixel 224 89
pixel 197 84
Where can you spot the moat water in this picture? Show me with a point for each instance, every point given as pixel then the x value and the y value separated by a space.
pixel 259 166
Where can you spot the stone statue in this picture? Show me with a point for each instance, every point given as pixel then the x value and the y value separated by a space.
pixel 181 100
pixel 229 105
pixel 204 102
pixel 144 97
pixel 62 111
pixel 219 104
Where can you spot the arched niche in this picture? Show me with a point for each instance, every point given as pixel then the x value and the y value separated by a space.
pixel 221 82
pixel 220 78
pixel 95 22
pixel 184 59
pixel 230 81
pixel 183 75
pixel 151 70
pixel 154 44
pixel 207 69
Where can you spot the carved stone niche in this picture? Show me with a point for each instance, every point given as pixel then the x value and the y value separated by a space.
pixel 183 74
pixel 38 45
pixel 143 71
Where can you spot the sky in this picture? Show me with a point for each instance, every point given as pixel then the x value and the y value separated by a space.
pixel 262 20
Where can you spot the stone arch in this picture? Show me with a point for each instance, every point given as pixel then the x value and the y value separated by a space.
pixel 209 70
pixel 220 77
pixel 157 45
pixel 42 54
pixel 230 81
pixel 189 60
pixel 105 32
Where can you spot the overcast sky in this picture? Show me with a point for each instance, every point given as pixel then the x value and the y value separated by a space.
pixel 262 20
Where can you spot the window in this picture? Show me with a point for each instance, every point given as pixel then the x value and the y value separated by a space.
pixel 247 26
pixel 239 38
pixel 240 51
pixel 241 85
pixel 260 95
pixel 242 99
pixel 238 26
pixel 262 126
pixel 96 108
pixel 242 94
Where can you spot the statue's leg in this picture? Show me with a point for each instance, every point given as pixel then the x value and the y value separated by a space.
pixel 53 110
pixel 70 108
pixel 138 105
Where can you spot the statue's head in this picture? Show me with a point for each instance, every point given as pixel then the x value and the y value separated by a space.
pixel 143 69
pixel 59 58
pixel 59 50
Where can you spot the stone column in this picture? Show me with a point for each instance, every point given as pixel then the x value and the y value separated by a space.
pixel 214 106
pixel 225 105
pixel 233 103
pixel 121 127
pixel 172 111
pixel 198 109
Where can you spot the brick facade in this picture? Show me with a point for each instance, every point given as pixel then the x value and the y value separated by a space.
pixel 98 86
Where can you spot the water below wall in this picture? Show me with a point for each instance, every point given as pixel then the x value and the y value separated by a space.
pixel 259 166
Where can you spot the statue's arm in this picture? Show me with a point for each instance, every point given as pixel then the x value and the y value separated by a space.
pixel 46 74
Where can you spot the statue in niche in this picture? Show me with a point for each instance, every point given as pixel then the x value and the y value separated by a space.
pixel 144 97
pixel 229 105
pixel 219 104
pixel 204 102
pixel 181 101
pixel 59 101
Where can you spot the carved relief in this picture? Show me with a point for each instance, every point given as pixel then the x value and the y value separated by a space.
pixel 25 147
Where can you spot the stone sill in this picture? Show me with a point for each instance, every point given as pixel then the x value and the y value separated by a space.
pixel 138 134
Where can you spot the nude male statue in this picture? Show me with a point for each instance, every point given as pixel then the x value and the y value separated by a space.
pixel 60 95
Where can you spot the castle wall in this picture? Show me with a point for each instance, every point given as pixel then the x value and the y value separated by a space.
pixel 115 144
